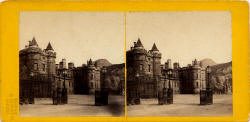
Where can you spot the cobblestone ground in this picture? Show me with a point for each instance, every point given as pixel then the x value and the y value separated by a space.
pixel 78 105
pixel 184 105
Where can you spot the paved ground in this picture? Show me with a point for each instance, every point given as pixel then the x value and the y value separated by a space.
pixel 184 105
pixel 78 105
pixel 83 105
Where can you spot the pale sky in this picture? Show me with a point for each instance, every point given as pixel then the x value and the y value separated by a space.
pixel 76 36
pixel 180 36
pixel 183 36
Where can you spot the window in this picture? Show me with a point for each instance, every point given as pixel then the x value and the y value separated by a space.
pixel 92 76
pixel 91 85
pixel 44 67
pixel 197 84
pixel 35 66
pixel 141 67
pixel 149 68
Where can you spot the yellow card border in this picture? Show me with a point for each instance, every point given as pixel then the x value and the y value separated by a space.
pixel 9 51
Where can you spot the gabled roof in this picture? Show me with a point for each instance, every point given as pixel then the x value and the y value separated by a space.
pixel 49 47
pixel 154 48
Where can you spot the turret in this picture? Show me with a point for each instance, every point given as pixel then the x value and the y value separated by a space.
pixel 195 62
pixel 176 65
pixel 91 76
pixel 33 43
pixel 62 64
pixel 90 64
pixel 51 57
pixel 196 76
pixel 71 65
pixel 138 44
pixel 29 61
pixel 168 64
pixel 156 55
pixel 137 57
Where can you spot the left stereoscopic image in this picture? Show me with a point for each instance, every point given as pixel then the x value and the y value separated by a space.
pixel 71 64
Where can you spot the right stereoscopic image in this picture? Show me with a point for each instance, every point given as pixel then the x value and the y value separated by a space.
pixel 179 63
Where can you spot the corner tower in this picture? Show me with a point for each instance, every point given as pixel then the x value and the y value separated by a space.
pixel 138 55
pixel 196 69
pixel 91 77
pixel 31 59
pixel 51 57
pixel 156 55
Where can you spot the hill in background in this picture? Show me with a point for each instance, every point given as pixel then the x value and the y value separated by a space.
pixel 102 62
pixel 207 62
pixel 221 77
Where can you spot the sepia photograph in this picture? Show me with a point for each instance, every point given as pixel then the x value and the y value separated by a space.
pixel 71 64
pixel 179 63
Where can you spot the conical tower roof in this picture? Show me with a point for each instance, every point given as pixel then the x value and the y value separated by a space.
pixel 138 43
pixel 49 47
pixel 33 42
pixel 90 62
pixel 154 48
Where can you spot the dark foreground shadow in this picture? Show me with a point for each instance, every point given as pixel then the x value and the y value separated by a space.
pixel 116 109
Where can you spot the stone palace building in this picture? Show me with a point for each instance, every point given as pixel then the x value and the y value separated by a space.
pixel 144 69
pixel 38 71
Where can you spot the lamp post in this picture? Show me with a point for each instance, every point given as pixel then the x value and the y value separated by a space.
pixel 137 89
pixel 29 95
pixel 170 89
pixel 55 100
pixel 169 77
pixel 32 97
pixel 59 91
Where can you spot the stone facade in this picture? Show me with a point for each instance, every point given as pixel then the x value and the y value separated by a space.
pixel 90 77
pixel 144 67
pixel 170 80
pixel 64 76
pixel 34 59
pixel 86 78
pixel 192 78
pixel 38 70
